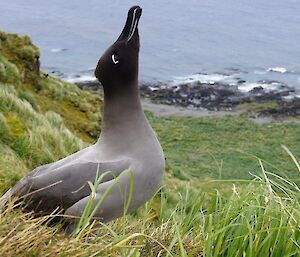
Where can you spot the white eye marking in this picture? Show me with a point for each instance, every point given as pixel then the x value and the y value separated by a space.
pixel 113 57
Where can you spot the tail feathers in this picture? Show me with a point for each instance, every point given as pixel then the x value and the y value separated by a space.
pixel 5 199
pixel 11 193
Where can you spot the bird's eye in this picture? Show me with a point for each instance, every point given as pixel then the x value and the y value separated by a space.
pixel 115 59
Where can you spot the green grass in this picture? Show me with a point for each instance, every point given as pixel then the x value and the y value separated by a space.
pixel 230 187
pixel 258 107
pixel 225 148
pixel 259 219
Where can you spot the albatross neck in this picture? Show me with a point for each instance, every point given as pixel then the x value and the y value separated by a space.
pixel 122 108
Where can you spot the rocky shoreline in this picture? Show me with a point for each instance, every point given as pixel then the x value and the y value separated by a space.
pixel 272 98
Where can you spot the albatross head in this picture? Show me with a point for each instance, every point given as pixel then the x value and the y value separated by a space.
pixel 118 66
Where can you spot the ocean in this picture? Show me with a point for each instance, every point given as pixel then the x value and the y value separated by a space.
pixel 213 40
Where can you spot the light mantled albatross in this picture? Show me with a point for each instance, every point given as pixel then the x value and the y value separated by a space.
pixel 127 146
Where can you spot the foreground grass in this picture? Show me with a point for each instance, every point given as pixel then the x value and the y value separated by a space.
pixel 260 219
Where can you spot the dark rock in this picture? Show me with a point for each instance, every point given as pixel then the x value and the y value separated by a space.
pixel 288 108
pixel 219 96
pixel 256 90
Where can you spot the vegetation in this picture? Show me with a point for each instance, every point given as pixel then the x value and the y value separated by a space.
pixel 230 188
pixel 225 148
pixel 258 107
pixel 42 119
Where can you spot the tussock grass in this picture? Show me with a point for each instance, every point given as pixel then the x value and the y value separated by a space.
pixel 44 137
pixel 9 73
pixel 259 219
pixel 12 168
pixel 4 129
pixel 24 95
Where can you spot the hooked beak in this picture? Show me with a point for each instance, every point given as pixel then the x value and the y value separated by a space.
pixel 130 29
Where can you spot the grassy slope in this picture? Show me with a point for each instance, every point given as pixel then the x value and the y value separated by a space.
pixel 43 119
pixel 225 148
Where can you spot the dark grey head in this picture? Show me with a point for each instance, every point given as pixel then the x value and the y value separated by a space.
pixel 118 66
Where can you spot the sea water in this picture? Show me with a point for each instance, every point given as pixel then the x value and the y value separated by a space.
pixel 211 40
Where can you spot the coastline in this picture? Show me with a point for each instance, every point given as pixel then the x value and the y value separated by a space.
pixel 160 110
pixel 278 104
pixel 163 110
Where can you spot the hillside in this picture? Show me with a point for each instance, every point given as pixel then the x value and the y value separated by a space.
pixel 42 119
pixel 230 188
